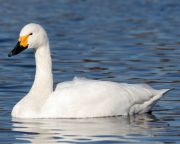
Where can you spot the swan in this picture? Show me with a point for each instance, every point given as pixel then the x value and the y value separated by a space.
pixel 79 98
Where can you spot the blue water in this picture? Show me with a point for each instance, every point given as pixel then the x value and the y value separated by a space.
pixel 134 41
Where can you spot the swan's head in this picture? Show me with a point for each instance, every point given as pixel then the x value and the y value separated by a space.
pixel 31 36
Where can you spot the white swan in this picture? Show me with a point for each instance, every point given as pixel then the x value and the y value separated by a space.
pixel 79 98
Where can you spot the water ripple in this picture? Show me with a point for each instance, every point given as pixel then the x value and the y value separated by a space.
pixel 124 41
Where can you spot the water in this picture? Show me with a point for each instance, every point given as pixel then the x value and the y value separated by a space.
pixel 125 41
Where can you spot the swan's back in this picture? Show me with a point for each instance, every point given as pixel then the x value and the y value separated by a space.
pixel 82 98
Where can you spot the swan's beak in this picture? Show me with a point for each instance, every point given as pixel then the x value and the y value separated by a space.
pixel 21 45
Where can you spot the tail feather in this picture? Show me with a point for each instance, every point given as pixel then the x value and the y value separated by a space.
pixel 147 106
pixel 159 94
pixel 164 91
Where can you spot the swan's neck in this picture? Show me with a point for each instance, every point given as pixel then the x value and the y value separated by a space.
pixel 42 87
pixel 43 83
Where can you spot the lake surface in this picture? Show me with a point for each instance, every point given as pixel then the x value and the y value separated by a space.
pixel 124 41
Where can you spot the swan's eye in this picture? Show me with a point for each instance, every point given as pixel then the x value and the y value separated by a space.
pixel 30 34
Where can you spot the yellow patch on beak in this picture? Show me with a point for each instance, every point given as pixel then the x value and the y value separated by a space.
pixel 23 40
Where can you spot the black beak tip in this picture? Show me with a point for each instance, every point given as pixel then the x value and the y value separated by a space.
pixel 18 48
pixel 10 54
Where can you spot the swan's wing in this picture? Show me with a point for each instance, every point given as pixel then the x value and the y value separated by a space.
pixel 94 98
pixel 74 82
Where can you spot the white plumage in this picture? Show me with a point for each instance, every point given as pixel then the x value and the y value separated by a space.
pixel 81 97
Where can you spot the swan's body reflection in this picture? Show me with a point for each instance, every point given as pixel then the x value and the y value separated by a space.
pixel 83 130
